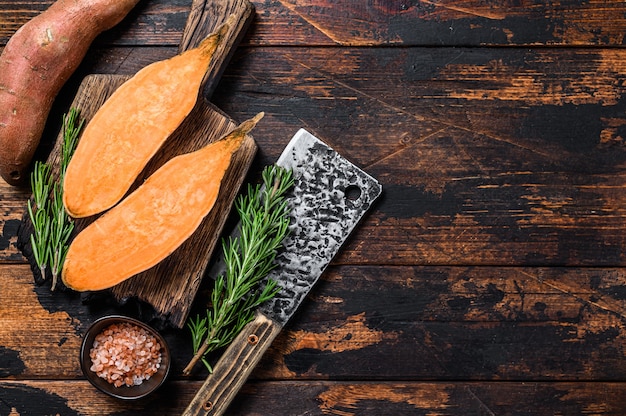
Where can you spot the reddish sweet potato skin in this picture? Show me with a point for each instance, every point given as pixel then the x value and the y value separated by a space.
pixel 35 64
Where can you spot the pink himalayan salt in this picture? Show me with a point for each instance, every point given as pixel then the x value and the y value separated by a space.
pixel 125 354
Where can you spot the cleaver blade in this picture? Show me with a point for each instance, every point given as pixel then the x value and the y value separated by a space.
pixel 329 197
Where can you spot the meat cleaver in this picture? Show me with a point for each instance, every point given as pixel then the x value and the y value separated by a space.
pixel 329 197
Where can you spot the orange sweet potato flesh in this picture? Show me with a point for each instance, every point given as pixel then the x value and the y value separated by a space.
pixel 154 220
pixel 35 64
pixel 132 125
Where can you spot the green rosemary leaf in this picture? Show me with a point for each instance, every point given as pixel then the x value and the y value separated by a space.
pixel 207 364
pixel 38 213
pixel 70 138
pixel 198 329
pixel 248 258
pixel 52 226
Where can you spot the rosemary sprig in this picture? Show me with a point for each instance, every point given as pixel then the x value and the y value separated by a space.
pixel 60 231
pixel 51 224
pixel 70 139
pixel 249 258
pixel 38 212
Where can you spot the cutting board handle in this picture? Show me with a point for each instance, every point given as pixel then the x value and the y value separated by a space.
pixel 204 18
pixel 234 367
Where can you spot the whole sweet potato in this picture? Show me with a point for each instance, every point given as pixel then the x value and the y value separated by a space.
pixel 36 63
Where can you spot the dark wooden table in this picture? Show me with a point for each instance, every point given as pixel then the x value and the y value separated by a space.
pixel 487 280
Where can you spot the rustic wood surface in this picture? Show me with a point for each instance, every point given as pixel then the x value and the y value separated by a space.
pixel 489 277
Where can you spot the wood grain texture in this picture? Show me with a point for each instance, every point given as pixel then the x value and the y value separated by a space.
pixel 450 323
pixel 41 331
pixel 206 17
pixel 488 279
pixel 349 23
pixel 152 22
pixel 374 323
pixel 36 340
pixel 332 398
pixel 488 156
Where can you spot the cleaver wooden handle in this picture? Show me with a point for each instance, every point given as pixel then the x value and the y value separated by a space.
pixel 234 367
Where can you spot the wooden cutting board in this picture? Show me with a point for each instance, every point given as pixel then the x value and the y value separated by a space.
pixel 171 286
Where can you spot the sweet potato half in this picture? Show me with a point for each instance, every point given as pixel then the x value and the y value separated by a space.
pixel 154 220
pixel 36 62
pixel 132 125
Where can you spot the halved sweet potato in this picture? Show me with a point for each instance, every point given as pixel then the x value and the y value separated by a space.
pixel 153 220
pixel 132 125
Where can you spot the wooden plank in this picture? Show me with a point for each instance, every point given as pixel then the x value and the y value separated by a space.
pixel 69 398
pixel 374 323
pixel 494 156
pixel 438 23
pixel 474 323
pixel 41 331
pixel 494 92
pixel 410 398
pixel 338 398
pixel 154 22
pixel 499 156
pixel 38 338
pixel 425 23
pixel 12 208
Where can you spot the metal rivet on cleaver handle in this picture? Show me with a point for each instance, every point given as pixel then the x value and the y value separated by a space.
pixel 329 198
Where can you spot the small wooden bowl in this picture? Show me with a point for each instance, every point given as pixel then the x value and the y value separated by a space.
pixel 124 392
